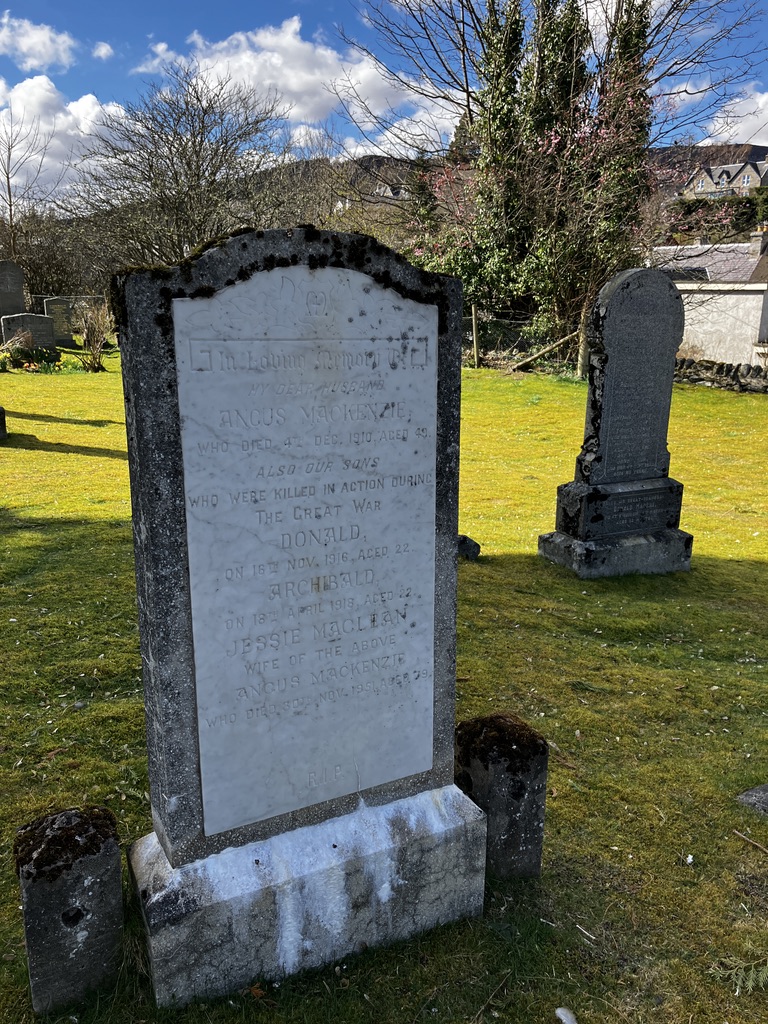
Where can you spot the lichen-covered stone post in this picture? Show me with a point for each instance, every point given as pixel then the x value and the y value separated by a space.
pixel 501 764
pixel 69 867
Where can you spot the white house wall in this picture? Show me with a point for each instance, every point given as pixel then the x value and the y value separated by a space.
pixel 725 322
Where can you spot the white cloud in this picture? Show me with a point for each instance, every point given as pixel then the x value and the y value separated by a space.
pixel 303 72
pixel 63 125
pixel 746 120
pixel 35 47
pixel 103 51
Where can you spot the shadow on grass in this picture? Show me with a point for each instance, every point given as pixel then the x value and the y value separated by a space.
pixel 707 574
pixel 28 442
pixel 44 418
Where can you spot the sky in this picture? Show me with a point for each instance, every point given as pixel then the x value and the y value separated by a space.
pixel 60 61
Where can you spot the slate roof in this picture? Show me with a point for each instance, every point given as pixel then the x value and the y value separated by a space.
pixel 735 261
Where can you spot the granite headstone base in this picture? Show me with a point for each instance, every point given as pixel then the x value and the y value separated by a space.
pixel 594 512
pixel 619 528
pixel 652 553
pixel 305 898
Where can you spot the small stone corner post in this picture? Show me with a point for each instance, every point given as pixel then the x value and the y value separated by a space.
pixel 501 764
pixel 70 871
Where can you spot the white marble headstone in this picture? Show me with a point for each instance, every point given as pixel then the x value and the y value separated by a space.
pixel 308 408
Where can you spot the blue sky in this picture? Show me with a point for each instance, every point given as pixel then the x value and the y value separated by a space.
pixel 58 62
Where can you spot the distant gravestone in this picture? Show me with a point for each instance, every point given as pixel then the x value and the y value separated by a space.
pixel 622 511
pixel 60 311
pixel 292 404
pixel 11 288
pixel 40 327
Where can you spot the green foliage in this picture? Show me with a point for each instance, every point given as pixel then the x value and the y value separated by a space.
pixel 745 976
pixel 719 218
pixel 20 352
pixel 560 175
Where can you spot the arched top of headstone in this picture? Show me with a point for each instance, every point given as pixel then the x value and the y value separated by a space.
pixel 641 306
pixel 635 330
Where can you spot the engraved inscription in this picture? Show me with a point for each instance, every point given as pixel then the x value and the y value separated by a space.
pixel 309 451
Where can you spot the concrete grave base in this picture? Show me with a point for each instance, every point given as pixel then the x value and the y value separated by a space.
pixel 648 553
pixel 309 897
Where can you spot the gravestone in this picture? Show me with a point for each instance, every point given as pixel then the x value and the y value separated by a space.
pixel 292 406
pixel 60 312
pixel 621 513
pixel 40 327
pixel 11 288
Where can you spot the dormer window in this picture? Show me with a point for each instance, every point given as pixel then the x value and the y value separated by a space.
pixel 746 180
pixel 701 184
pixel 722 181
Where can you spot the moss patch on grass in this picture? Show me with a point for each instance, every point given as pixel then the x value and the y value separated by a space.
pixel 652 691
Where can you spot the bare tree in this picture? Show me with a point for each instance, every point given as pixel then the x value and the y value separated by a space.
pixel 26 184
pixel 181 165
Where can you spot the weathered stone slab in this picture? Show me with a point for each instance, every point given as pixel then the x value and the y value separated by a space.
pixel 292 405
pixel 60 311
pixel 501 764
pixel 298 424
pixel 311 896
pixel 69 868
pixel 635 330
pixel 11 288
pixel 40 327
pixel 621 513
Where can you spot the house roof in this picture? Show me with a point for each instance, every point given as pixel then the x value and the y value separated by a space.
pixel 731 171
pixel 735 261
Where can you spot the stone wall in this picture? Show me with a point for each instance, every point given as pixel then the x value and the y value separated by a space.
pixel 730 376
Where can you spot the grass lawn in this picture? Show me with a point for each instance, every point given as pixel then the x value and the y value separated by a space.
pixel 653 692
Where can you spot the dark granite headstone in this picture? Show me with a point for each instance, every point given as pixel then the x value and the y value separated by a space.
pixel 60 311
pixel 621 512
pixel 69 867
pixel 292 405
pixel 11 288
pixel 40 327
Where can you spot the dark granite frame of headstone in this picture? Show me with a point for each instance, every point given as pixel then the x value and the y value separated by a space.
pixel 157 486
pixel 621 512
